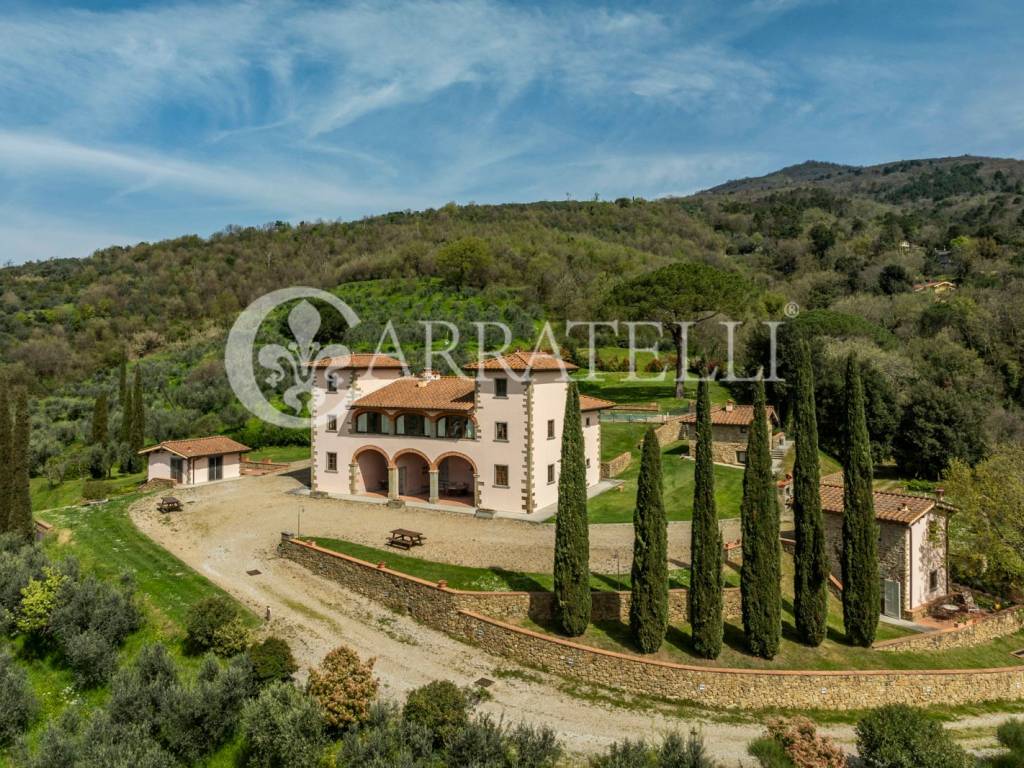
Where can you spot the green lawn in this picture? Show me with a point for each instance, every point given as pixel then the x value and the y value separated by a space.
pixel 619 437
pixel 491 579
pixel 284 454
pixel 833 654
pixel 616 506
pixel 70 491
pixel 614 386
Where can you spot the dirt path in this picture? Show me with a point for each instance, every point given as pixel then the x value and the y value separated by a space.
pixel 230 528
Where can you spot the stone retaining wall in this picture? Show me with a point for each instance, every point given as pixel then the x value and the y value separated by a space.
pixel 670 431
pixel 460 614
pixel 616 466
pixel 982 631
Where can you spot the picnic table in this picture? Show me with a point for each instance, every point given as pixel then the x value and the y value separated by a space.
pixel 405 539
pixel 169 504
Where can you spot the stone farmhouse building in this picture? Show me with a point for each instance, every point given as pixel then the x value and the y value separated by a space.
pixel 196 460
pixel 912 546
pixel 730 428
pixel 488 440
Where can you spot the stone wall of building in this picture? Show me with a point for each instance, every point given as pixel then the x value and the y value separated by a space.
pixel 670 431
pixel 618 465
pixel 893 553
pixel 460 615
pixel 979 632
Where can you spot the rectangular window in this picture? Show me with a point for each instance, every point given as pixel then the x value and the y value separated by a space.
pixel 741 457
pixel 501 431
pixel 501 387
pixel 332 382
pixel 501 475
pixel 332 423
pixel 177 469
pixel 332 462
pixel 551 429
pixel 371 423
pixel 551 473
pixel 412 424
pixel 215 468
pixel 933 581
pixel 588 421
pixel 588 463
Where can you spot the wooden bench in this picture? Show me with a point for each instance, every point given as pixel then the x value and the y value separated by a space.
pixel 401 538
pixel 169 504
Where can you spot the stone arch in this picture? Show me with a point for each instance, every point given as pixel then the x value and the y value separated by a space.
pixel 371 468
pixel 456 454
pixel 413 468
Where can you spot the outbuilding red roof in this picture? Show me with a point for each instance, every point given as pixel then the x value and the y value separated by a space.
pixel 892 507
pixel 193 447
pixel 591 403
pixel 358 361
pixel 522 361
pixel 736 415
pixel 444 393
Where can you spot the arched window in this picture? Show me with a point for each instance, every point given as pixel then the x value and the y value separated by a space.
pixel 412 424
pixel 455 427
pixel 370 422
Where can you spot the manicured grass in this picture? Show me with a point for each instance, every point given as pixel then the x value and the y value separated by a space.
pixel 70 491
pixel 622 436
pixel 284 454
pixel 833 654
pixel 614 386
pixel 616 506
pixel 490 579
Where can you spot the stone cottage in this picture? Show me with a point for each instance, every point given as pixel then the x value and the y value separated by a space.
pixel 730 428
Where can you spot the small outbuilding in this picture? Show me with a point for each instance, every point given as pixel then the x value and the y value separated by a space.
pixel 195 460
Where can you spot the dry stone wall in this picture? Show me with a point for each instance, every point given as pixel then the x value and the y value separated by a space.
pixel 616 466
pixel 483 619
pixel 982 631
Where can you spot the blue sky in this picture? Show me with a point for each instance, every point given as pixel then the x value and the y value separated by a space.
pixel 122 122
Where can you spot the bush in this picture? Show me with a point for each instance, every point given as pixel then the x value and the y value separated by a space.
pixel 20 564
pixel 803 746
pixel 232 638
pixel 99 742
pixel 1011 735
pixel 89 604
pixel 18 704
pixel 769 753
pixel 675 752
pixel 441 707
pixel 272 660
pixel 138 693
pixel 898 736
pixel 92 658
pixel 204 619
pixel 282 728
pixel 96 489
pixel 38 600
pixel 344 687
pixel 387 740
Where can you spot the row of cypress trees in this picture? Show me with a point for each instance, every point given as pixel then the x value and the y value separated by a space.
pixel 15 495
pixel 760 577
pixel 131 436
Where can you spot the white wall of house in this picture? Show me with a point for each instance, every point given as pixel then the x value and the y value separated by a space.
pixel 159 465
pixel 548 406
pixel 927 554
pixel 194 471
pixel 592 445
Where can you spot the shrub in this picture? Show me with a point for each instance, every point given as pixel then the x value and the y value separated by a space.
pixel 18 705
pixel 803 746
pixel 675 752
pixel 624 754
pixel 439 706
pixel 20 564
pixel 1011 735
pixel 38 600
pixel 344 687
pixel 898 736
pixel 204 619
pixel 96 489
pixel 94 605
pixel 531 747
pixel 138 692
pixel 769 753
pixel 387 740
pixel 282 728
pixel 92 658
pixel 232 638
pixel 272 660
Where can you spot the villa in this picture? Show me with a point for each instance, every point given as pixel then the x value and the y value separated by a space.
pixel 195 460
pixel 491 441
pixel 730 429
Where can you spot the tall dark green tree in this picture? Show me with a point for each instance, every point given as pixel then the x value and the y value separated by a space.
pixel 861 598
pixel 98 435
pixel 760 576
pixel 122 382
pixel 20 515
pixel 127 413
pixel 648 608
pixel 6 460
pixel 810 579
pixel 137 435
pixel 705 595
pixel 572 536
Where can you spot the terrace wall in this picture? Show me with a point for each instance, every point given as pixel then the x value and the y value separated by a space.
pixel 616 466
pixel 452 611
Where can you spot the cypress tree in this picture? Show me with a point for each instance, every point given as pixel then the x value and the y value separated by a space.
pixel 122 382
pixel 705 595
pixel 137 435
pixel 572 537
pixel 648 608
pixel 860 529
pixel 6 460
pixel 20 516
pixel 99 421
pixel 760 577
pixel 127 413
pixel 810 580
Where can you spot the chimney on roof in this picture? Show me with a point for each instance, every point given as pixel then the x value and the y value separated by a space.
pixel 939 493
pixel 729 406
pixel 904 507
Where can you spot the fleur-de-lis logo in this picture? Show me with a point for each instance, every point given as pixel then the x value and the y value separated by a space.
pixel 304 322
pixel 290 362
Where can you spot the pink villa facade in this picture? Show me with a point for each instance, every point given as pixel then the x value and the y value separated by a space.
pixel 195 461
pixel 490 439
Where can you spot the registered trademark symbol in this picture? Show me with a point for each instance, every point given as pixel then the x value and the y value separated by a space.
pixel 792 310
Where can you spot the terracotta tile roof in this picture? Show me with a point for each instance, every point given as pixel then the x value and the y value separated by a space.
pixel 522 361
pixel 358 361
pixel 893 507
pixel 589 403
pixel 199 446
pixel 446 393
pixel 740 415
